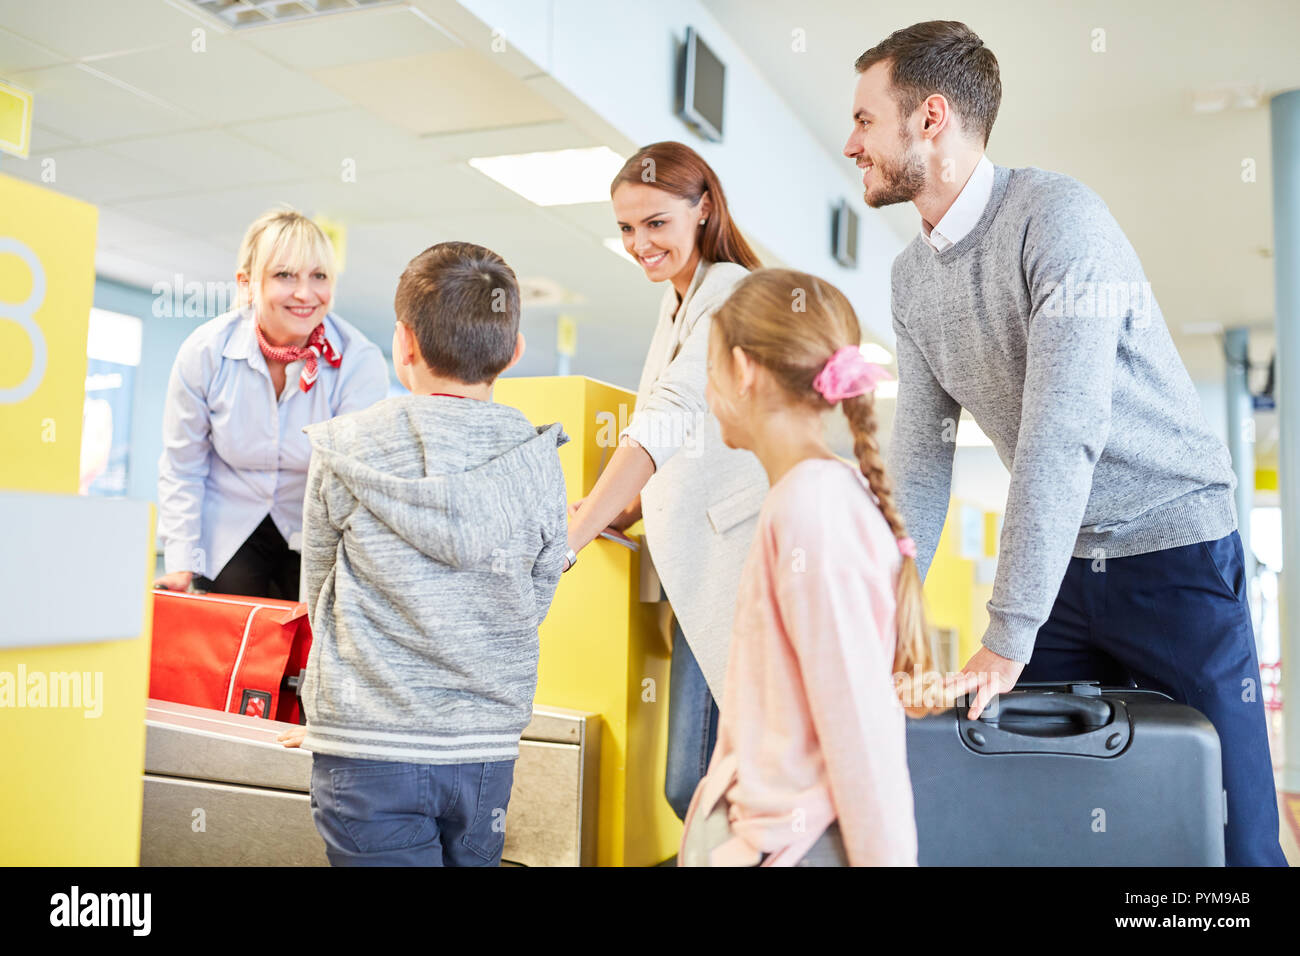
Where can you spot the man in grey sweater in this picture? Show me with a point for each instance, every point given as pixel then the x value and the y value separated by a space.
pixel 1022 301
pixel 435 529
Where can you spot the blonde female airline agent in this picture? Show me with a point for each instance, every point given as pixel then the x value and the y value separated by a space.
pixel 700 499
pixel 233 471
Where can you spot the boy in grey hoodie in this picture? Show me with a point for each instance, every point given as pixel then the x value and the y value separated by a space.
pixel 434 535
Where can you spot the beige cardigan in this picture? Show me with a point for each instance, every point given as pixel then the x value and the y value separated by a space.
pixel 701 505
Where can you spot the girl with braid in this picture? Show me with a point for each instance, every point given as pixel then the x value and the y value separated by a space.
pixel 811 761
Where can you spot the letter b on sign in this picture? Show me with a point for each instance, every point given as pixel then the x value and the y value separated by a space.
pixel 24 315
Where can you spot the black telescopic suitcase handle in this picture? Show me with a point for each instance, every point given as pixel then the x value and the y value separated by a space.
pixel 1091 712
pixel 1093 727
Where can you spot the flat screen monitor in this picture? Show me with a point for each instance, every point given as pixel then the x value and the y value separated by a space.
pixel 844 235
pixel 701 82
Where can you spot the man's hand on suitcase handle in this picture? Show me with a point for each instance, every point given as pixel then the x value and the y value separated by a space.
pixel 989 672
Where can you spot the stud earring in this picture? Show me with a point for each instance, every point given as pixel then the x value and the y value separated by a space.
pixel 704 220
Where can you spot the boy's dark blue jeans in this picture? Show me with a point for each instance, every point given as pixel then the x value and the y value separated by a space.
pixel 372 813
pixel 1176 621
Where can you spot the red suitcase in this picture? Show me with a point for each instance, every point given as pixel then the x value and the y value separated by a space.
pixel 237 654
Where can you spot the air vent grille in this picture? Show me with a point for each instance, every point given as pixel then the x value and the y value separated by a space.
pixel 243 14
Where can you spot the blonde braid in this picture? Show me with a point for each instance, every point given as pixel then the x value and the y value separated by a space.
pixel 913 660
pixel 861 413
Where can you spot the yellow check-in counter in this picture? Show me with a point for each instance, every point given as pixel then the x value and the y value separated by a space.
pixel 603 649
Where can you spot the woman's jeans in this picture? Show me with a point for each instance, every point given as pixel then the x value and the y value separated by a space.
pixel 692 726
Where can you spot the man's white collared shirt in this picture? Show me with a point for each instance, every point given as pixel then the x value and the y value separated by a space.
pixel 965 210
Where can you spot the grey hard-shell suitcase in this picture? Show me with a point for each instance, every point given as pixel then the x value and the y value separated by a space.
pixel 1068 775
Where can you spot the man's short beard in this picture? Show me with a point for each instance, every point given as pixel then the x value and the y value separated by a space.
pixel 902 181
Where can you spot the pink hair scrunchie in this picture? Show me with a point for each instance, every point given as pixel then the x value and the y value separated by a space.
pixel 907 547
pixel 847 374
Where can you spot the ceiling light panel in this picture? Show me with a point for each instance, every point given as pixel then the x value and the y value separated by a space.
pixel 558 178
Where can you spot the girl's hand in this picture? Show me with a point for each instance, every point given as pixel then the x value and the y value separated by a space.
pixel 293 737
pixel 176 581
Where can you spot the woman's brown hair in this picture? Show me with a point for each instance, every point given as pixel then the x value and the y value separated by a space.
pixel 680 171
pixel 790 323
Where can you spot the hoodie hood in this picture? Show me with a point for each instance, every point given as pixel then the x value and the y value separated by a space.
pixel 449 476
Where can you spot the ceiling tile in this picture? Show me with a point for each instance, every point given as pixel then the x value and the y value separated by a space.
pixel 68 26
pixel 227 83
pixel 451 91
pixel 28 169
pixel 322 142
pixel 527 137
pixel 98 176
pixel 382 34
pixel 432 192
pixel 19 54
pixel 220 216
pixel 76 102
pixel 44 140
pixel 210 159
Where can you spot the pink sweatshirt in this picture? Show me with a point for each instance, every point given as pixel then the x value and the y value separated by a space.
pixel 811 729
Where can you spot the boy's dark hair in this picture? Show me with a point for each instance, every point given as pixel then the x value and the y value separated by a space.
pixel 462 303
pixel 941 56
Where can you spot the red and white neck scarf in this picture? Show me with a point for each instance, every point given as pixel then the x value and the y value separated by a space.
pixel 317 346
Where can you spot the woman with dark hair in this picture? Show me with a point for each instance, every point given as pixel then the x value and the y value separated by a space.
pixel 699 498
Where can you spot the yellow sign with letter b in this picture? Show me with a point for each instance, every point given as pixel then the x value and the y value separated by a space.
pixel 73 765
pixel 47 281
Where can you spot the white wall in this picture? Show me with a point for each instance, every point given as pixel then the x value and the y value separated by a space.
pixel 617 57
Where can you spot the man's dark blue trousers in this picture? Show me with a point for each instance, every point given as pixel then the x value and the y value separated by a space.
pixel 1176 621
